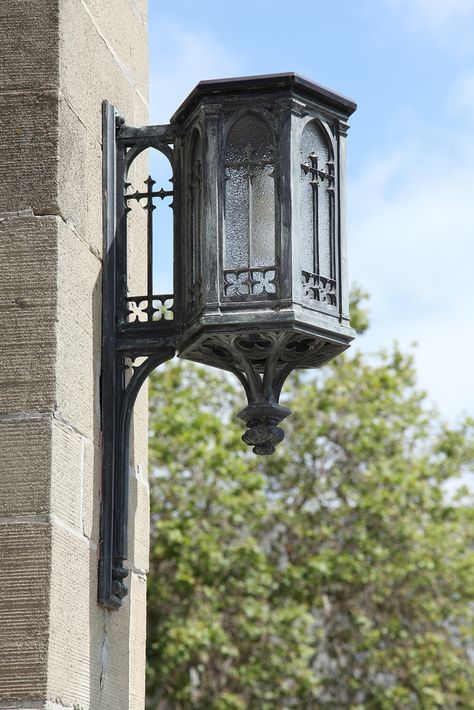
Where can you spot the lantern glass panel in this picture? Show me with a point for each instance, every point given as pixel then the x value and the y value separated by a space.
pixel 317 202
pixel 237 227
pixel 249 225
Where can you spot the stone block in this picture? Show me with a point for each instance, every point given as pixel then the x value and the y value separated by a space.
pixel 24 609
pixel 90 648
pixel 28 136
pixel 122 654
pixel 75 480
pixel 91 484
pixel 92 651
pixel 139 442
pixel 78 333
pixel 137 639
pixel 73 619
pixel 80 177
pixel 137 228
pixel 115 660
pixel 25 453
pixel 138 522
pixel 80 174
pixel 126 37
pixel 29 32
pixel 142 8
pixel 28 254
pixel 139 510
pixel 84 50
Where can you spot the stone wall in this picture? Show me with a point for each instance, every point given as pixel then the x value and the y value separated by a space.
pixel 59 60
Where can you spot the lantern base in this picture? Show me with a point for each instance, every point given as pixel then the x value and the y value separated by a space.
pixel 262 419
pixel 262 358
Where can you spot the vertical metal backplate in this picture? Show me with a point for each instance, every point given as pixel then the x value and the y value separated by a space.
pixel 123 342
pixel 109 385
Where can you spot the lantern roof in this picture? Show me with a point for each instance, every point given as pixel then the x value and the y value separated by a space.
pixel 264 83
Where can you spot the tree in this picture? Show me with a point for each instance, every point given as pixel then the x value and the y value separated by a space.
pixel 337 573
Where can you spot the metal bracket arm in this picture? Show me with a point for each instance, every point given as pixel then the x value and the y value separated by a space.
pixel 138 335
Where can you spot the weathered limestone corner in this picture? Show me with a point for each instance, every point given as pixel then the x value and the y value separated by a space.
pixel 58 649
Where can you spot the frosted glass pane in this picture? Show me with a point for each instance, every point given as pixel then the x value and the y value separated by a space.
pixel 249 132
pixel 324 234
pixel 262 248
pixel 307 225
pixel 316 200
pixel 249 215
pixel 236 219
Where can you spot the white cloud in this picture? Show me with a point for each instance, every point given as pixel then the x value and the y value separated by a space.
pixel 180 59
pixel 412 249
pixel 462 97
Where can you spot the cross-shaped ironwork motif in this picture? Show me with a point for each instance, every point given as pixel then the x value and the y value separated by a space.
pixel 149 195
pixel 317 177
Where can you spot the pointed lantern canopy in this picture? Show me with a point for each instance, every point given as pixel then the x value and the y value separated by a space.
pixel 262 278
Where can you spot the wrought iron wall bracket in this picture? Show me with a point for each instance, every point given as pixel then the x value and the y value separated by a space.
pixel 260 281
pixel 139 333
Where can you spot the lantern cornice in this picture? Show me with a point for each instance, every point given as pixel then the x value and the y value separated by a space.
pixel 265 84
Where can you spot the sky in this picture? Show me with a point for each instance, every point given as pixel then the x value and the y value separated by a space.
pixel 409 65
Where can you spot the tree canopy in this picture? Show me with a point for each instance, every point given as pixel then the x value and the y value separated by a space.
pixel 337 573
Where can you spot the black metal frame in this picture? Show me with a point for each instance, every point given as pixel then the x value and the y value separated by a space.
pixel 284 318
pixel 125 337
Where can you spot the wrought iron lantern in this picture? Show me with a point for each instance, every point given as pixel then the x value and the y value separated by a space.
pixel 260 283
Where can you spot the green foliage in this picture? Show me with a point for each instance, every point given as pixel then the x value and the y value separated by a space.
pixel 336 574
pixel 359 316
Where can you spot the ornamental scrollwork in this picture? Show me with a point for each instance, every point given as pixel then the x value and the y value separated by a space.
pixel 262 362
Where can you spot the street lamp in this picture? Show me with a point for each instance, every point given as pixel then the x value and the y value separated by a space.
pixel 260 282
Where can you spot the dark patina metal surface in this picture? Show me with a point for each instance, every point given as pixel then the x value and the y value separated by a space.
pixel 257 321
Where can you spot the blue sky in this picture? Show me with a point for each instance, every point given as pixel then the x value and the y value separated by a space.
pixel 409 64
